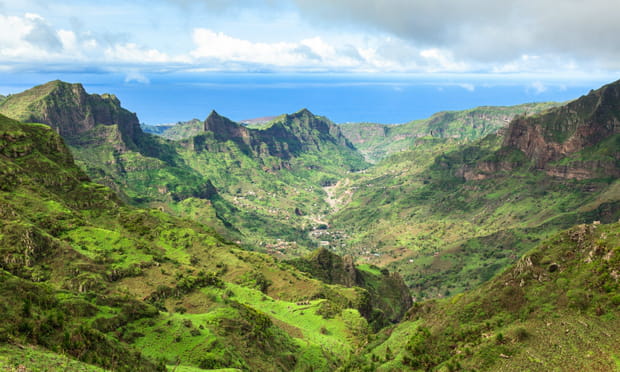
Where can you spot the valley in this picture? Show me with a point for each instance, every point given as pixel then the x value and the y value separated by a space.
pixel 470 240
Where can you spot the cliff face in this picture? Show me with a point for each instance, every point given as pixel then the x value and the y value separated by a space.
pixel 567 130
pixel 389 295
pixel 580 140
pixel 71 111
pixel 286 137
pixel 226 129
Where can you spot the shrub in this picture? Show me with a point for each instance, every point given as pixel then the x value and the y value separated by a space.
pixel 521 334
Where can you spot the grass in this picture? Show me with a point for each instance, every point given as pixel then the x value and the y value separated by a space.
pixel 339 336
pixel 523 319
pixel 34 358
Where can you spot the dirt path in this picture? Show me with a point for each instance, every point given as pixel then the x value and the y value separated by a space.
pixel 335 201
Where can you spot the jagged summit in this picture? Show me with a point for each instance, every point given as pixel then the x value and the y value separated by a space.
pixel 70 110
pixel 565 130
pixel 286 136
pixel 303 112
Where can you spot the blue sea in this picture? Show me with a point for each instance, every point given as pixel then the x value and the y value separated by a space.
pixel 380 98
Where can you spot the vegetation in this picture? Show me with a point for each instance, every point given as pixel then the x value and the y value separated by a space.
pixel 84 275
pixel 448 216
pixel 378 141
pixel 124 258
pixel 556 307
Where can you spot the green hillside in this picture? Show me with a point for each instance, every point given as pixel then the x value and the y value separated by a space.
pixel 107 142
pixel 377 141
pixel 261 187
pixel 485 239
pixel 448 216
pixel 86 276
pixel 556 308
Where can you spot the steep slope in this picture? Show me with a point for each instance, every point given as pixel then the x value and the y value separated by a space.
pixel 108 143
pixel 557 308
pixel 273 174
pixel 260 186
pixel 565 132
pixel 84 275
pixel 389 296
pixel 377 141
pixel 448 217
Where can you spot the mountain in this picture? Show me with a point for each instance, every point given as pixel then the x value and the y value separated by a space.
pixel 107 142
pixel 274 174
pixel 448 216
pixel 377 141
pixel 86 276
pixel 180 130
pixel 556 308
pixel 284 137
pixel 563 134
pixel 71 111
pixel 216 171
pixel 137 276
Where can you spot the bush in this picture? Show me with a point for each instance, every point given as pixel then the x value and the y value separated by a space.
pixel 521 334
pixel 578 298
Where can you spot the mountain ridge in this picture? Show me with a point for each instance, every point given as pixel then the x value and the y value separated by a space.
pixel 377 141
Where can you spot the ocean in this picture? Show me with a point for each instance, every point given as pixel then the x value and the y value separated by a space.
pixel 380 98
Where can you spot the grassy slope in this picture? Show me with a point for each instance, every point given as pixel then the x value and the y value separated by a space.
pixel 414 213
pixel 265 202
pixel 377 141
pixel 557 308
pixel 73 255
pixel 277 200
pixel 128 164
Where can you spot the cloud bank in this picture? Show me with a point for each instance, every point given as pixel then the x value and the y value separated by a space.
pixel 473 36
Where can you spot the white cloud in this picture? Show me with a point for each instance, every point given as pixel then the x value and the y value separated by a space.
pixel 382 54
pixel 30 39
pixel 538 87
pixel 220 49
pixel 441 36
pixel 488 32
pixel 133 53
pixel 136 77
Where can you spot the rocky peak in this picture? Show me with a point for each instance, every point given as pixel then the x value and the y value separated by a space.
pixel 565 130
pixel 226 129
pixel 70 110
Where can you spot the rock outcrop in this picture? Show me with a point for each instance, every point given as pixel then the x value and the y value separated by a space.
pixel 561 132
pixel 71 111
pixel 389 295
pixel 285 137
pixel 580 140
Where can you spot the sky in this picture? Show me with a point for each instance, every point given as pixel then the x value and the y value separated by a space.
pixel 468 43
pixel 142 37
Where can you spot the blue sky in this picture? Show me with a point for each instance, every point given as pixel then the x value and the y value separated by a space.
pixel 352 60
pixel 140 38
